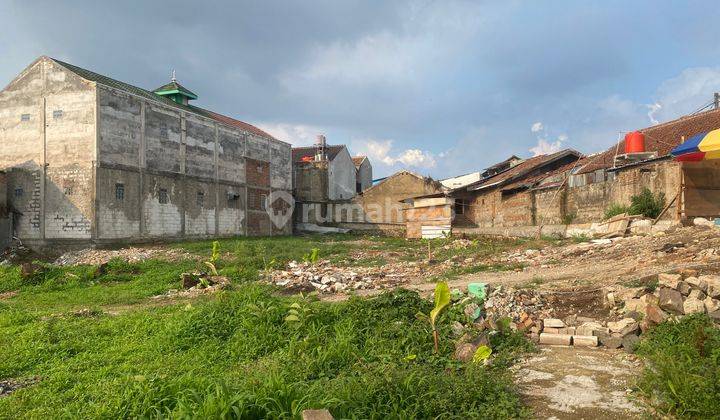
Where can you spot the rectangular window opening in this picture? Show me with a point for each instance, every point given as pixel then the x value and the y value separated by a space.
pixel 200 198
pixel 163 196
pixel 119 192
pixel 57 114
pixel 25 117
pixel 263 204
pixel 19 192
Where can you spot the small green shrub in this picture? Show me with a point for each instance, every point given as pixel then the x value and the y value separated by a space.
pixel 647 203
pixel 616 209
pixel 682 374
pixel 568 218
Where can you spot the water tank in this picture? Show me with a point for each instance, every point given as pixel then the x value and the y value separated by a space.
pixel 634 142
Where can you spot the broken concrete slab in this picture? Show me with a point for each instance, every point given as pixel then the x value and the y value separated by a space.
pixel 622 325
pixel 693 306
pixel 670 300
pixel 669 280
pixel 697 283
pixel 588 328
pixel 711 305
pixel 697 294
pixel 713 285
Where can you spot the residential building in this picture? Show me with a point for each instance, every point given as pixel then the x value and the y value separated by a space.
pixel 363 174
pixel 323 173
pixel 90 159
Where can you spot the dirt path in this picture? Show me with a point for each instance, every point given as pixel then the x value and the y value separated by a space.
pixel 577 382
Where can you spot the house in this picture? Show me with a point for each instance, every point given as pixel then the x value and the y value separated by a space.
pixel 430 216
pixel 91 159
pixel 461 181
pixel 383 203
pixel 323 173
pixel 502 198
pixel 363 174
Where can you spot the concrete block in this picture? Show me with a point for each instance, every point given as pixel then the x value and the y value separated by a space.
pixel 588 328
pixel 567 330
pixel 713 285
pixel 556 339
pixel 693 306
pixel 711 305
pixel 670 300
pixel 669 280
pixel 697 283
pixel 553 323
pixel 585 340
pixel 547 330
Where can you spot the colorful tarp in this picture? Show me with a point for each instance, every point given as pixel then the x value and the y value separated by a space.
pixel 699 147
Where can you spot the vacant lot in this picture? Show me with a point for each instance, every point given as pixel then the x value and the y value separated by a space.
pixel 89 341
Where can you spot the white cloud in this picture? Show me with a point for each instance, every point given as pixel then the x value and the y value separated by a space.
pixel 296 134
pixel 684 93
pixel 381 151
pixel 545 147
pixel 538 126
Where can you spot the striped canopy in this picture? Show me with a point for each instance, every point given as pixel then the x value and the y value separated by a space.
pixel 699 147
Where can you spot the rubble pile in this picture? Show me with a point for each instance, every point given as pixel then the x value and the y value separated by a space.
pixel 680 244
pixel 196 284
pixel 325 277
pixel 91 256
pixel 523 306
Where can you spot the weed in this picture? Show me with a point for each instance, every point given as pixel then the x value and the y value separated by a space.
pixel 616 209
pixel 647 203
pixel 683 367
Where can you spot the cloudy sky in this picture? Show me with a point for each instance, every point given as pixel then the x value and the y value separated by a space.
pixel 439 87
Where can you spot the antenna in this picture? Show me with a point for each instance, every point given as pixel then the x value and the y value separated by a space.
pixel 172 78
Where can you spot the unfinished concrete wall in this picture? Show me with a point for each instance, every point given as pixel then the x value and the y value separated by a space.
pixel 341 177
pixel 47 134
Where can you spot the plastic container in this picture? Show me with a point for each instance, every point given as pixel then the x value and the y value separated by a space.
pixel 634 142
pixel 477 290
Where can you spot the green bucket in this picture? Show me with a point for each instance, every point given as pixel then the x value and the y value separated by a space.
pixel 477 290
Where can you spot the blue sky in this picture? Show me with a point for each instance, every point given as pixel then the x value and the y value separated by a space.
pixel 438 87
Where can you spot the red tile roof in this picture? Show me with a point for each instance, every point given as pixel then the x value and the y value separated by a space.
pixel 236 123
pixel 661 138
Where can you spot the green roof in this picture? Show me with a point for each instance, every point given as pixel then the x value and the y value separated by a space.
pixel 175 88
pixel 110 82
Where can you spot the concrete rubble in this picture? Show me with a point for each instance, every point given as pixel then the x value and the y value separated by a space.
pixel 91 256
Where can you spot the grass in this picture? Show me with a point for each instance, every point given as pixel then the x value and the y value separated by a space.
pixel 233 354
pixel 682 377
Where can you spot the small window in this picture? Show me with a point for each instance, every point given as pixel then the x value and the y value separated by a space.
pixel 358 187
pixel 19 192
pixel 119 192
pixel 163 131
pixel 68 190
pixel 263 204
pixel 25 117
pixel 460 205
pixel 232 199
pixel 57 114
pixel 200 198
pixel 260 169
pixel 163 196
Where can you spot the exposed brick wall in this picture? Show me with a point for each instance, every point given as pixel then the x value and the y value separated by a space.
pixel 255 198
pixel 257 173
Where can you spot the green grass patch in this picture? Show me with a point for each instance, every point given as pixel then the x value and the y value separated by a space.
pixel 235 356
pixel 682 376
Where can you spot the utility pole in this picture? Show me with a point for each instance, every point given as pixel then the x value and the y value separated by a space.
pixel 717 100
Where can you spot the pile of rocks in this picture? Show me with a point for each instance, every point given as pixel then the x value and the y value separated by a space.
pixel 588 332
pixel 324 277
pixel 678 294
pixel 524 306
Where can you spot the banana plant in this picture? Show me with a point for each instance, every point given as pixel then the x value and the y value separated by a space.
pixel 442 300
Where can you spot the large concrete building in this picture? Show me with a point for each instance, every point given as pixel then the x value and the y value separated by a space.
pixel 90 159
pixel 324 173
